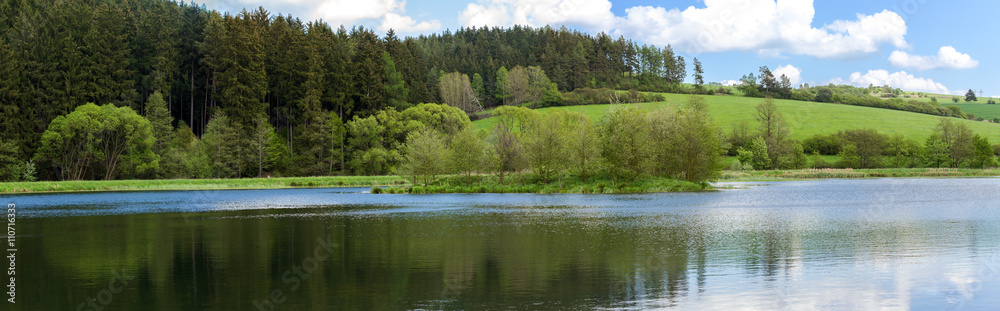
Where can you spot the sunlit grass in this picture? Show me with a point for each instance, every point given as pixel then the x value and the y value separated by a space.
pixel 806 118
pixel 199 184
pixel 786 175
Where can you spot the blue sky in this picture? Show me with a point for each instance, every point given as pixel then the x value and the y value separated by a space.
pixel 917 45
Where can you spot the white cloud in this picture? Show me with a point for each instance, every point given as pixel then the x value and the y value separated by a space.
pixel 348 11
pixel 385 13
pixel 946 58
pixel 769 27
pixel 901 80
pixel 407 24
pixel 593 15
pixel 794 74
pixel 731 82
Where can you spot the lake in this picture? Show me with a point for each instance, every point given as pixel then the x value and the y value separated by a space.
pixel 893 244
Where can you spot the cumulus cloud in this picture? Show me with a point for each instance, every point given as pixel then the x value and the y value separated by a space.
pixel 593 15
pixel 386 13
pixel 946 58
pixel 901 80
pixel 731 82
pixel 407 24
pixel 794 74
pixel 769 27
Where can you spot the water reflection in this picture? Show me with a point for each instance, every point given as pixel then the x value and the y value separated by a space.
pixel 796 246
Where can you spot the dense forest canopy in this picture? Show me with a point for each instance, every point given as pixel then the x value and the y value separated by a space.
pixel 59 55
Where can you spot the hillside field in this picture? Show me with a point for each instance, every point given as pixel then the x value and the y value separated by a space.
pixel 805 118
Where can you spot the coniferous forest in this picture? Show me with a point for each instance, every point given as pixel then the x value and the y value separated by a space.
pixel 225 94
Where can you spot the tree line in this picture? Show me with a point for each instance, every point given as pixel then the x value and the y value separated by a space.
pixel 769 146
pixel 301 78
pixel 766 84
pixel 629 142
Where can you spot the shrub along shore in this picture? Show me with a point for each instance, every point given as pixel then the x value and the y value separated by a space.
pixel 199 184
pixel 533 183
pixel 528 183
pixel 829 173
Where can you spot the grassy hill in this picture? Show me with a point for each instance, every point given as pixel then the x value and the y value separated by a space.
pixel 806 118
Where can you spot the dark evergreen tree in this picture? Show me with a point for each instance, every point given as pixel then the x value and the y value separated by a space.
pixel 369 72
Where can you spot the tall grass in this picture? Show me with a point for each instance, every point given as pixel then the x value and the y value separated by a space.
pixel 200 184
pixel 779 175
pixel 531 183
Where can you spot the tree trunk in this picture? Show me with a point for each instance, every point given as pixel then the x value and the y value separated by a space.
pixel 191 112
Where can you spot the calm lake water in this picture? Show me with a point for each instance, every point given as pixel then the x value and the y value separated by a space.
pixel 892 244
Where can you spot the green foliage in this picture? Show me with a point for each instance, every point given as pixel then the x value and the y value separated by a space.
pixel 545 142
pixel 818 162
pixel 375 141
pixel 867 146
pixel 822 144
pixel 369 74
pixel 958 139
pixel 983 156
pixel 258 145
pixel 161 122
pixel 902 151
pixel 241 73
pixel 478 87
pixel 395 88
pixel 583 146
pixel 504 153
pixel 28 172
pixel 757 155
pixel 624 145
pixel 425 156
pixel 223 145
pixel 117 139
pixel 467 153
pixel 502 82
pixel 849 156
pixel 319 142
pixel 185 157
pixel 739 137
pixel 529 85
pixel 970 96
pixel 443 118
pixel 935 151
pixel 684 143
pixel 10 162
pixel 775 132
pixel 457 92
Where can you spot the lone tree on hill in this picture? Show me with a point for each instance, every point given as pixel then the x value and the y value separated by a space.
pixel 970 96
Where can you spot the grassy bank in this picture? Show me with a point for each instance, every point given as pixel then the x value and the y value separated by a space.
pixel 530 183
pixel 788 175
pixel 199 184
pixel 807 118
pixel 525 183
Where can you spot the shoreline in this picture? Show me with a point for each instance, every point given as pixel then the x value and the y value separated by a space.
pixel 396 184
pixel 818 174
pixel 197 184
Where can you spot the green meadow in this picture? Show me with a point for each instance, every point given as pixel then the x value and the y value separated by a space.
pixel 805 118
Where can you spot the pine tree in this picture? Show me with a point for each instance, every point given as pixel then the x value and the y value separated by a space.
pixel 395 88
pixel 242 78
pixel 108 54
pixel 699 80
pixel 503 80
pixel 161 122
pixel 369 72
